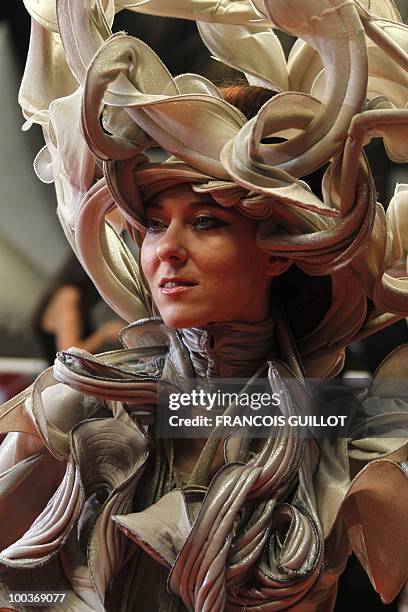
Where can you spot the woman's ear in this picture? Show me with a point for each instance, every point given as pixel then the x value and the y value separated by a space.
pixel 276 266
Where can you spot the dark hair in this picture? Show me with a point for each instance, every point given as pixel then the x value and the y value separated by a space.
pixel 305 299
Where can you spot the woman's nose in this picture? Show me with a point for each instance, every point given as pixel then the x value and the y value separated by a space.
pixel 171 246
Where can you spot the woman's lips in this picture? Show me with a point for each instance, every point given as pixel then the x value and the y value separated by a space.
pixel 175 285
pixel 174 290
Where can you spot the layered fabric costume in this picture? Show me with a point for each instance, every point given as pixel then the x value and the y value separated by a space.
pixel 94 505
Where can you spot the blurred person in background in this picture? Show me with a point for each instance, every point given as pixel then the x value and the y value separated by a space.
pixel 70 314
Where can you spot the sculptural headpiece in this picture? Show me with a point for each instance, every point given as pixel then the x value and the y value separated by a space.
pixel 344 81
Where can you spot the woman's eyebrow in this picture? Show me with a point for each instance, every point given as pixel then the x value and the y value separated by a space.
pixel 159 205
pixel 206 203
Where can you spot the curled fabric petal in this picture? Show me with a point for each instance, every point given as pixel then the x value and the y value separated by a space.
pixel 387 71
pixel 391 286
pixel 385 9
pixel 81 583
pixel 47 75
pixel 162 530
pixel 107 258
pixel 90 375
pixel 387 579
pixel 44 13
pixel 346 91
pixel 83 28
pixel 44 167
pixel 73 163
pixel 258 54
pixel 161 107
pixel 373 486
pixel 13 488
pixel 33 412
pixel 212 11
pixel 50 529
pixel 112 470
pixel 246 166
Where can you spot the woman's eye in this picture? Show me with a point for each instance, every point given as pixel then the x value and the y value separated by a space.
pixel 155 225
pixel 201 222
pixel 204 222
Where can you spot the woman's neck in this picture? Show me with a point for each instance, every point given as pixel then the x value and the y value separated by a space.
pixel 231 349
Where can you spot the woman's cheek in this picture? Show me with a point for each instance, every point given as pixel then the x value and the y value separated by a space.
pixel 147 261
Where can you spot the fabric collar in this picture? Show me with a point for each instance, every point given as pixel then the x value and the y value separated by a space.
pixel 230 350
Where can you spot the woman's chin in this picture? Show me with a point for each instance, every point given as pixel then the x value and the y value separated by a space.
pixel 183 320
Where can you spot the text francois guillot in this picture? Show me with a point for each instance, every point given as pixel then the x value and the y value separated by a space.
pixel 255 401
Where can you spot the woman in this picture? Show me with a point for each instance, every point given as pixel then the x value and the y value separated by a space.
pixel 127 520
pixel 63 317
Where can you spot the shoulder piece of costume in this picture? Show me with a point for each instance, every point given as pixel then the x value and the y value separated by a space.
pixel 272 529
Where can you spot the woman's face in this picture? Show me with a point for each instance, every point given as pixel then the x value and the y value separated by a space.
pixel 201 261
